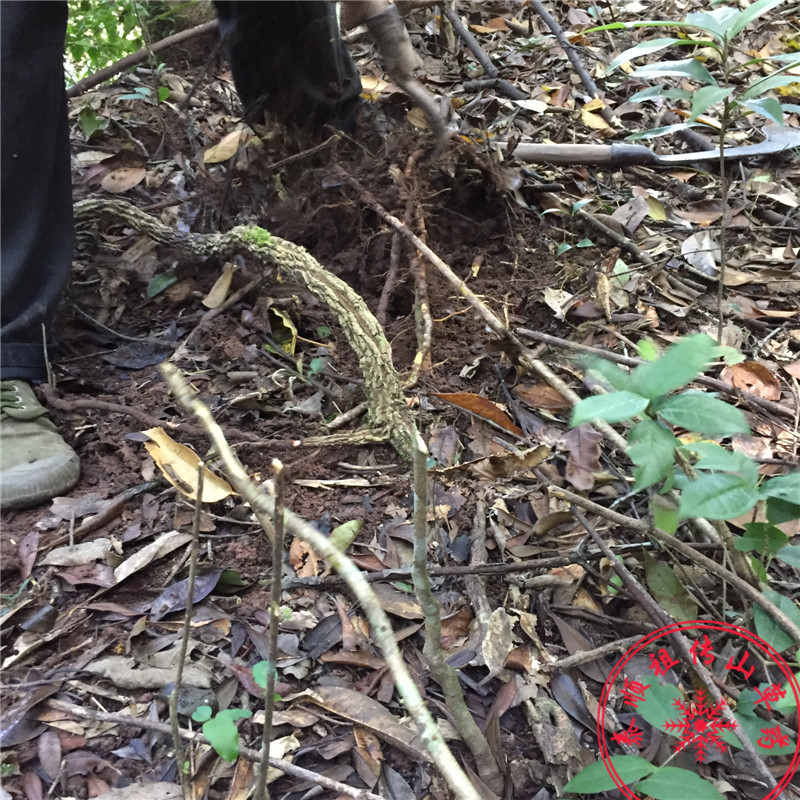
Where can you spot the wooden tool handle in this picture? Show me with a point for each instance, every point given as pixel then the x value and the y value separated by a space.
pixel 569 154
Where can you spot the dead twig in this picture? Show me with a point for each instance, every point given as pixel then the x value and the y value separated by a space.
pixel 441 671
pixel 626 244
pixel 489 68
pixel 276 579
pixel 52 400
pixel 177 742
pixel 500 84
pixel 264 508
pixel 249 753
pixel 572 55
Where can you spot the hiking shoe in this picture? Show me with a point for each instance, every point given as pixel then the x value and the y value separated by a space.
pixel 35 462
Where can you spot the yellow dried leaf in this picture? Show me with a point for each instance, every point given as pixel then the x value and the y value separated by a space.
pixel 226 148
pixel 219 291
pixel 179 465
pixel 122 179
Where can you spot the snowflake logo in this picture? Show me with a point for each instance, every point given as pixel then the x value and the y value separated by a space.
pixel 699 726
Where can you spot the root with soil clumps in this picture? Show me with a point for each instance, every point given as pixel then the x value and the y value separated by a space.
pixel 388 416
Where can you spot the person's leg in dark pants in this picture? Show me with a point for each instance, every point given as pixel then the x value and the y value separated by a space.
pixel 36 241
pixel 288 59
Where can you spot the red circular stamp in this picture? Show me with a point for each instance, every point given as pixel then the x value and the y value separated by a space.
pixel 650 690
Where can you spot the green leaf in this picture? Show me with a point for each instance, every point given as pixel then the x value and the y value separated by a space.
pixel 662 131
pixel 674 783
pixel 647 350
pixel 715 457
pixel 343 535
pixel 753 12
pixel 764 85
pixel 202 713
pixel 681 363
pixel 761 537
pixel 779 510
pixel 687 68
pixel 768 107
pixel 789 554
pixel 658 706
pixel 317 365
pixel 613 407
pixel 705 97
pixel 643 49
pixel 716 22
pixel 160 283
pixel 261 672
pixel 717 496
pixel 614 376
pixel 163 93
pixel 767 628
pixel 597 778
pixel 755 726
pixel 222 733
pixel 651 447
pixel 660 92
pixel 669 590
pixel 90 123
pixel 786 487
pixel 702 412
pixel 563 248
pixel 758 569
pixel 665 514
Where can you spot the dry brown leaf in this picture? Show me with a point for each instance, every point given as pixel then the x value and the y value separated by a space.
pixel 755 377
pixel 226 148
pixel 508 464
pixel 369 714
pixel 397 603
pixel 792 369
pixel 144 791
pixel 540 395
pixel 304 560
pixel 480 407
pixel 122 179
pixel 583 444
pixel 219 291
pixel 497 643
pixel 161 547
pixel 179 465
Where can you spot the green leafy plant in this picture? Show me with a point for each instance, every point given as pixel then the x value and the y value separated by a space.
pixel 220 728
pixel 671 443
pixel 100 33
pixel 716 31
pixel 714 482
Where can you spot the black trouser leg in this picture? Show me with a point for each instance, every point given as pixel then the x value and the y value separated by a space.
pixel 288 59
pixel 36 233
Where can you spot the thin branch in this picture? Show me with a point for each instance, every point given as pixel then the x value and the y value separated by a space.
pixel 264 508
pixel 274 621
pixel 180 756
pixel 191 736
